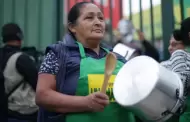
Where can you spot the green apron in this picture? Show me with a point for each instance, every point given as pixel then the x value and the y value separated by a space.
pixel 90 80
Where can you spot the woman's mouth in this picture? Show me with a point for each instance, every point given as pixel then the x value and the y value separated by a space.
pixel 98 31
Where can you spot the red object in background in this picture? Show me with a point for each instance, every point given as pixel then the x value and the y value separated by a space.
pixel 115 9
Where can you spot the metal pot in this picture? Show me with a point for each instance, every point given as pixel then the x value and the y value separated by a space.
pixel 124 50
pixel 151 91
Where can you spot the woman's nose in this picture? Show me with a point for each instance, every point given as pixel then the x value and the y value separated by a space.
pixel 97 21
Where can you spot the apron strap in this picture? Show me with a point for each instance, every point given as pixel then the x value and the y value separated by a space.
pixel 105 49
pixel 81 49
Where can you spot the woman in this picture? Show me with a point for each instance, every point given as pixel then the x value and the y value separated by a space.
pixel 175 44
pixel 179 63
pixel 184 68
pixel 72 74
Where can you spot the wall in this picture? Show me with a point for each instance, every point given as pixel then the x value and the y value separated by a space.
pixel 37 18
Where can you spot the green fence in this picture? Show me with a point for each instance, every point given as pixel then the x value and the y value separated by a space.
pixel 42 20
pixel 39 19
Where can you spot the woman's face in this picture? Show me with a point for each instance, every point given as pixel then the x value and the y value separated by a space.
pixel 175 45
pixel 90 25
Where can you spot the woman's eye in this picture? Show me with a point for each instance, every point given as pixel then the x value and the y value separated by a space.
pixel 101 18
pixel 89 17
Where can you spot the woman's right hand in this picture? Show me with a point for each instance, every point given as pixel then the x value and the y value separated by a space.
pixel 97 101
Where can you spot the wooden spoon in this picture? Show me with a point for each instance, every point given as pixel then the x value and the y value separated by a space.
pixel 111 61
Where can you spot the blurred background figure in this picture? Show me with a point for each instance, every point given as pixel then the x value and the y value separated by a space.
pixel 147 47
pixel 137 48
pixel 126 29
pixel 179 62
pixel 20 76
pixel 176 42
pixel 35 55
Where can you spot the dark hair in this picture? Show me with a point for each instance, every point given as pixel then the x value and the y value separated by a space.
pixel 177 35
pixel 11 31
pixel 185 29
pixel 74 14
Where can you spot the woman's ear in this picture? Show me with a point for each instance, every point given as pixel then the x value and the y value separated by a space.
pixel 71 27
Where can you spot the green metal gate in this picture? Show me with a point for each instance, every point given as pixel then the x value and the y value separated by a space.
pixel 43 21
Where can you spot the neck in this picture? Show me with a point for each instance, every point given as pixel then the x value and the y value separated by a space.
pixel 94 47
pixel 97 50
pixel 91 44
pixel 14 43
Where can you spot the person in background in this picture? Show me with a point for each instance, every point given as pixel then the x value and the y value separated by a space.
pixel 179 63
pixel 143 47
pixel 126 29
pixel 20 76
pixel 149 49
pixel 175 42
pixel 71 74
pixel 3 101
pixel 34 54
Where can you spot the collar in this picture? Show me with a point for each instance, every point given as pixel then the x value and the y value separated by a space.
pixel 12 47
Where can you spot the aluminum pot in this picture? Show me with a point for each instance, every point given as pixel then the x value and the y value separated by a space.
pixel 151 91
pixel 124 50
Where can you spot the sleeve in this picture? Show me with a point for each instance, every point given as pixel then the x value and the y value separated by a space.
pixel 150 50
pixel 50 64
pixel 27 68
pixel 178 61
pixel 165 63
